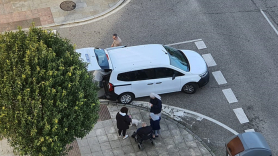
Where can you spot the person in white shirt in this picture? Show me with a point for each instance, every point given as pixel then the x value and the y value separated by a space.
pixel 116 41
pixel 98 76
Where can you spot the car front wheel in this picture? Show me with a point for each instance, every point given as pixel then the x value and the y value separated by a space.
pixel 190 88
pixel 126 98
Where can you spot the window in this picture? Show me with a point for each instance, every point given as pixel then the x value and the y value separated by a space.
pixel 150 73
pixel 128 76
pixel 137 75
pixel 101 58
pixel 177 58
pixel 166 72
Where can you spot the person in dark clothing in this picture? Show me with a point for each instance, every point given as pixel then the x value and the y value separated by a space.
pixel 155 123
pixel 144 130
pixel 123 122
pixel 156 104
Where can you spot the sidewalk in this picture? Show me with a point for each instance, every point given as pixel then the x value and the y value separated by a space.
pixel 174 140
pixel 14 13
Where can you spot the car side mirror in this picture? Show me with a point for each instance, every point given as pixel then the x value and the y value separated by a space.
pixel 174 76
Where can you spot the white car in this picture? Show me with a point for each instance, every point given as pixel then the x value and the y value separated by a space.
pixel 140 70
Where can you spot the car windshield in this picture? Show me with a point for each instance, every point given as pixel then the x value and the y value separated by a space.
pixel 101 58
pixel 177 58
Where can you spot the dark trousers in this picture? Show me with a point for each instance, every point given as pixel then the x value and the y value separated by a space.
pixel 122 130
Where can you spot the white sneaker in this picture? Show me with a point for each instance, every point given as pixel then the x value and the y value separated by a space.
pixel 119 135
pixel 126 136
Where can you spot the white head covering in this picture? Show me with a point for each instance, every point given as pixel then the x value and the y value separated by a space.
pixel 123 114
pixel 153 95
pixel 154 116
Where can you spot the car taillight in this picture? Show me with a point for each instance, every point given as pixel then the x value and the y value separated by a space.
pixel 110 87
pixel 107 57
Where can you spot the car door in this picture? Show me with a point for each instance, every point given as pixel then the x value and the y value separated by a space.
pixel 143 83
pixel 96 58
pixel 164 82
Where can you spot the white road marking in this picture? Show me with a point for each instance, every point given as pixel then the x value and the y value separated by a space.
pixel 230 96
pixel 250 130
pixel 219 77
pixel 241 115
pixel 184 42
pixel 206 117
pixel 209 60
pixel 200 45
pixel 269 21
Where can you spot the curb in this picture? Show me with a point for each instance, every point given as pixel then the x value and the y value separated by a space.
pixel 165 115
pixel 87 18
pixel 76 21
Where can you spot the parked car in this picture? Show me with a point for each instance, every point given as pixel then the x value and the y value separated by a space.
pixel 247 144
pixel 140 70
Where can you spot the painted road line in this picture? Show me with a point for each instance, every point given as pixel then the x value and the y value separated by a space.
pixel 269 21
pixel 230 96
pixel 208 118
pixel 184 42
pixel 241 115
pixel 200 45
pixel 209 60
pixel 219 77
pixel 249 130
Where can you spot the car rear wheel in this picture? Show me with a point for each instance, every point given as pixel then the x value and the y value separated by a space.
pixel 126 98
pixel 190 88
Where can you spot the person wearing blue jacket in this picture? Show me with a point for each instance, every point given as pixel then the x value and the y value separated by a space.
pixel 155 124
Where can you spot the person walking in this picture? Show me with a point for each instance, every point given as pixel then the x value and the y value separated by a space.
pixel 155 124
pixel 156 104
pixel 116 41
pixel 123 122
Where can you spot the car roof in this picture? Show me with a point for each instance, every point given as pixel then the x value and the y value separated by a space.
pixel 138 56
pixel 253 140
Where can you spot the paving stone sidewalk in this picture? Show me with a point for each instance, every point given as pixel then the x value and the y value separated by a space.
pixel 14 13
pixel 103 140
pixel 173 141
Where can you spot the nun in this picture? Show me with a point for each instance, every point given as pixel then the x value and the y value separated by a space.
pixel 156 104
pixel 155 124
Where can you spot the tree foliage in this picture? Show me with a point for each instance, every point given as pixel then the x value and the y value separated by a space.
pixel 47 97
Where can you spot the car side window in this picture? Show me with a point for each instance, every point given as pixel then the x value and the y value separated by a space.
pixel 127 76
pixel 150 73
pixel 166 72
pixel 145 74
pixel 140 75
pixel 178 73
pixel 137 75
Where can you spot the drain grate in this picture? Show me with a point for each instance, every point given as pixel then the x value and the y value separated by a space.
pixel 68 5
pixel 104 113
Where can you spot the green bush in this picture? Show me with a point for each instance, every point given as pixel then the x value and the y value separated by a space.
pixel 47 97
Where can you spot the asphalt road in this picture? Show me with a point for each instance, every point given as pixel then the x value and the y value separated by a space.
pixel 236 34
